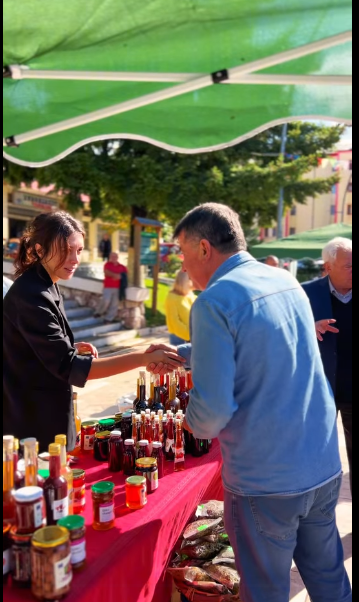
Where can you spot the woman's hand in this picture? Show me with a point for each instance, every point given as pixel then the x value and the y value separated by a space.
pixel 161 361
pixel 86 349
pixel 323 326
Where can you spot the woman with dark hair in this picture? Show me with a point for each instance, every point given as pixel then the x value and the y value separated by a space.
pixel 41 359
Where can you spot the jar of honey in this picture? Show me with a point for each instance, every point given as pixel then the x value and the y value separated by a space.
pixel 136 492
pixel 88 431
pixel 79 490
pixel 103 496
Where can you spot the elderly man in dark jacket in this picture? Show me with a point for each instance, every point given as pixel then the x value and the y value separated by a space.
pixel 332 304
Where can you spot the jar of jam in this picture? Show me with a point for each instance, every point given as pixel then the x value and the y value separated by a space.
pixel 115 452
pixel 103 496
pixel 106 424
pixel 136 492
pixel 6 554
pixel 77 530
pixel 21 558
pixel 118 419
pixel 88 431
pixel 30 509
pixel 129 457
pixel 157 453
pixel 100 450
pixel 144 449
pixel 51 571
pixel 147 467
pixel 79 490
pixel 126 425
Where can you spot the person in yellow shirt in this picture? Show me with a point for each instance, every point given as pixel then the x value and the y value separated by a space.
pixel 178 308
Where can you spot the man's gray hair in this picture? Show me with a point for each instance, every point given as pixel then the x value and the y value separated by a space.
pixel 330 251
pixel 218 224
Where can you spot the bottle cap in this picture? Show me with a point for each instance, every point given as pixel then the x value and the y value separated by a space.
pixel 103 487
pixel 129 442
pixel 28 494
pixel 156 444
pixel 61 439
pixel 143 442
pixel 54 449
pixel 72 523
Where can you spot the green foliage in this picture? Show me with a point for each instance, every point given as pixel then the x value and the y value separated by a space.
pixel 123 178
pixel 173 265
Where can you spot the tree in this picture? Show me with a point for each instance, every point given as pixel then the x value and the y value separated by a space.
pixel 130 178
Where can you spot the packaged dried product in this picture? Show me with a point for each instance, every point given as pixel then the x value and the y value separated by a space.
pixel 224 575
pixel 226 556
pixel 210 587
pixel 189 574
pixel 212 509
pixel 200 528
pixel 203 550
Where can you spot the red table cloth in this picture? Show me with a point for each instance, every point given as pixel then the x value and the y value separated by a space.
pixel 128 563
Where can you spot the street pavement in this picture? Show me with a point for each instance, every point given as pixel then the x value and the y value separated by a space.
pixel 99 399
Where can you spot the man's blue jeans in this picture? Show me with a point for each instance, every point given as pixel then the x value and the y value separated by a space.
pixel 266 533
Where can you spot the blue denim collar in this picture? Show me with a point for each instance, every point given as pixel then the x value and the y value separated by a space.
pixel 231 263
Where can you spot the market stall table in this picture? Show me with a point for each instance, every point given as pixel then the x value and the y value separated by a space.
pixel 127 563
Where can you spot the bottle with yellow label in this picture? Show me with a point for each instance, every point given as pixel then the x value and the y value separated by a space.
pixel 66 470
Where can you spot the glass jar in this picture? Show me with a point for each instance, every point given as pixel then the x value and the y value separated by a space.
pixel 147 467
pixel 129 457
pixel 21 558
pixel 51 571
pixel 157 453
pixel 100 450
pixel 144 449
pixel 126 425
pixel 88 431
pixel 115 452
pixel 79 490
pixel 136 492
pixel 6 553
pixel 77 530
pixel 103 496
pixel 118 420
pixel 106 424
pixel 30 509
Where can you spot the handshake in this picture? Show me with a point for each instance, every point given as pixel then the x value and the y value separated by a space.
pixel 161 359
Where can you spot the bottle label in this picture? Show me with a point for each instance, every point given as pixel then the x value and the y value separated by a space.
pixel 60 508
pixel 62 573
pixel 152 480
pixel 79 496
pixel 88 442
pixel 38 515
pixel 6 562
pixel 143 496
pixel 179 455
pixel 78 440
pixel 107 512
pixel 170 443
pixel 78 551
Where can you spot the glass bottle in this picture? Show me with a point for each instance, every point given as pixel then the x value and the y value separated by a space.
pixel 148 429
pixel 179 449
pixel 156 430
pixel 170 440
pixel 141 405
pixel 129 458
pixel 66 470
pixel 164 390
pixel 183 394
pixel 157 452
pixel 137 399
pixel 144 451
pixel 77 449
pixel 138 427
pixel 173 403
pixel 115 452
pixel 32 477
pixel 8 480
pixel 143 424
pixel 196 447
pixel 19 480
pixel 152 391
pixel 157 403
pixel 134 428
pixel 189 381
pixel 55 488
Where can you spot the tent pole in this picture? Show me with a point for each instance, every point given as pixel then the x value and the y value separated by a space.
pixel 179 90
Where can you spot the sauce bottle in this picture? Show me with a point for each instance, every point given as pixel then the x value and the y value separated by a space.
pixel 66 470
pixel 19 480
pixel 157 402
pixel 173 403
pixel 55 488
pixel 32 477
pixel 170 440
pixel 179 449
pixel 183 395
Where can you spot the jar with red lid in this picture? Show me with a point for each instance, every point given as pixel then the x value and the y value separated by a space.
pixel 30 509
pixel 79 490
pixel 21 557
pixel 88 432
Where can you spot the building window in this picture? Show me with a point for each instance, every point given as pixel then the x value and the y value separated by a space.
pixel 350 210
pixel 292 231
pixel 293 210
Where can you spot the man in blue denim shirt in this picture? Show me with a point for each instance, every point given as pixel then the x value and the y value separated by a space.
pixel 260 387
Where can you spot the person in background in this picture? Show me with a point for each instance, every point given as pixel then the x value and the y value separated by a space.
pixel 105 247
pixel 113 270
pixel 273 261
pixel 331 299
pixel 259 386
pixel 178 307
pixel 41 361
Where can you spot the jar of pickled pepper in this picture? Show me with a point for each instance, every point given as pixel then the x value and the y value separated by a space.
pixel 103 496
pixel 88 431
pixel 79 490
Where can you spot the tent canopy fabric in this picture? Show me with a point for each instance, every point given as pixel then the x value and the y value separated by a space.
pixel 307 244
pixel 187 75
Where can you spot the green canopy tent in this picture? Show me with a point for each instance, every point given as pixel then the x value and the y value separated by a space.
pixel 187 75
pixel 307 244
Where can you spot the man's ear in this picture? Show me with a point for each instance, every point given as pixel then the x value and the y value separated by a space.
pixel 205 249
